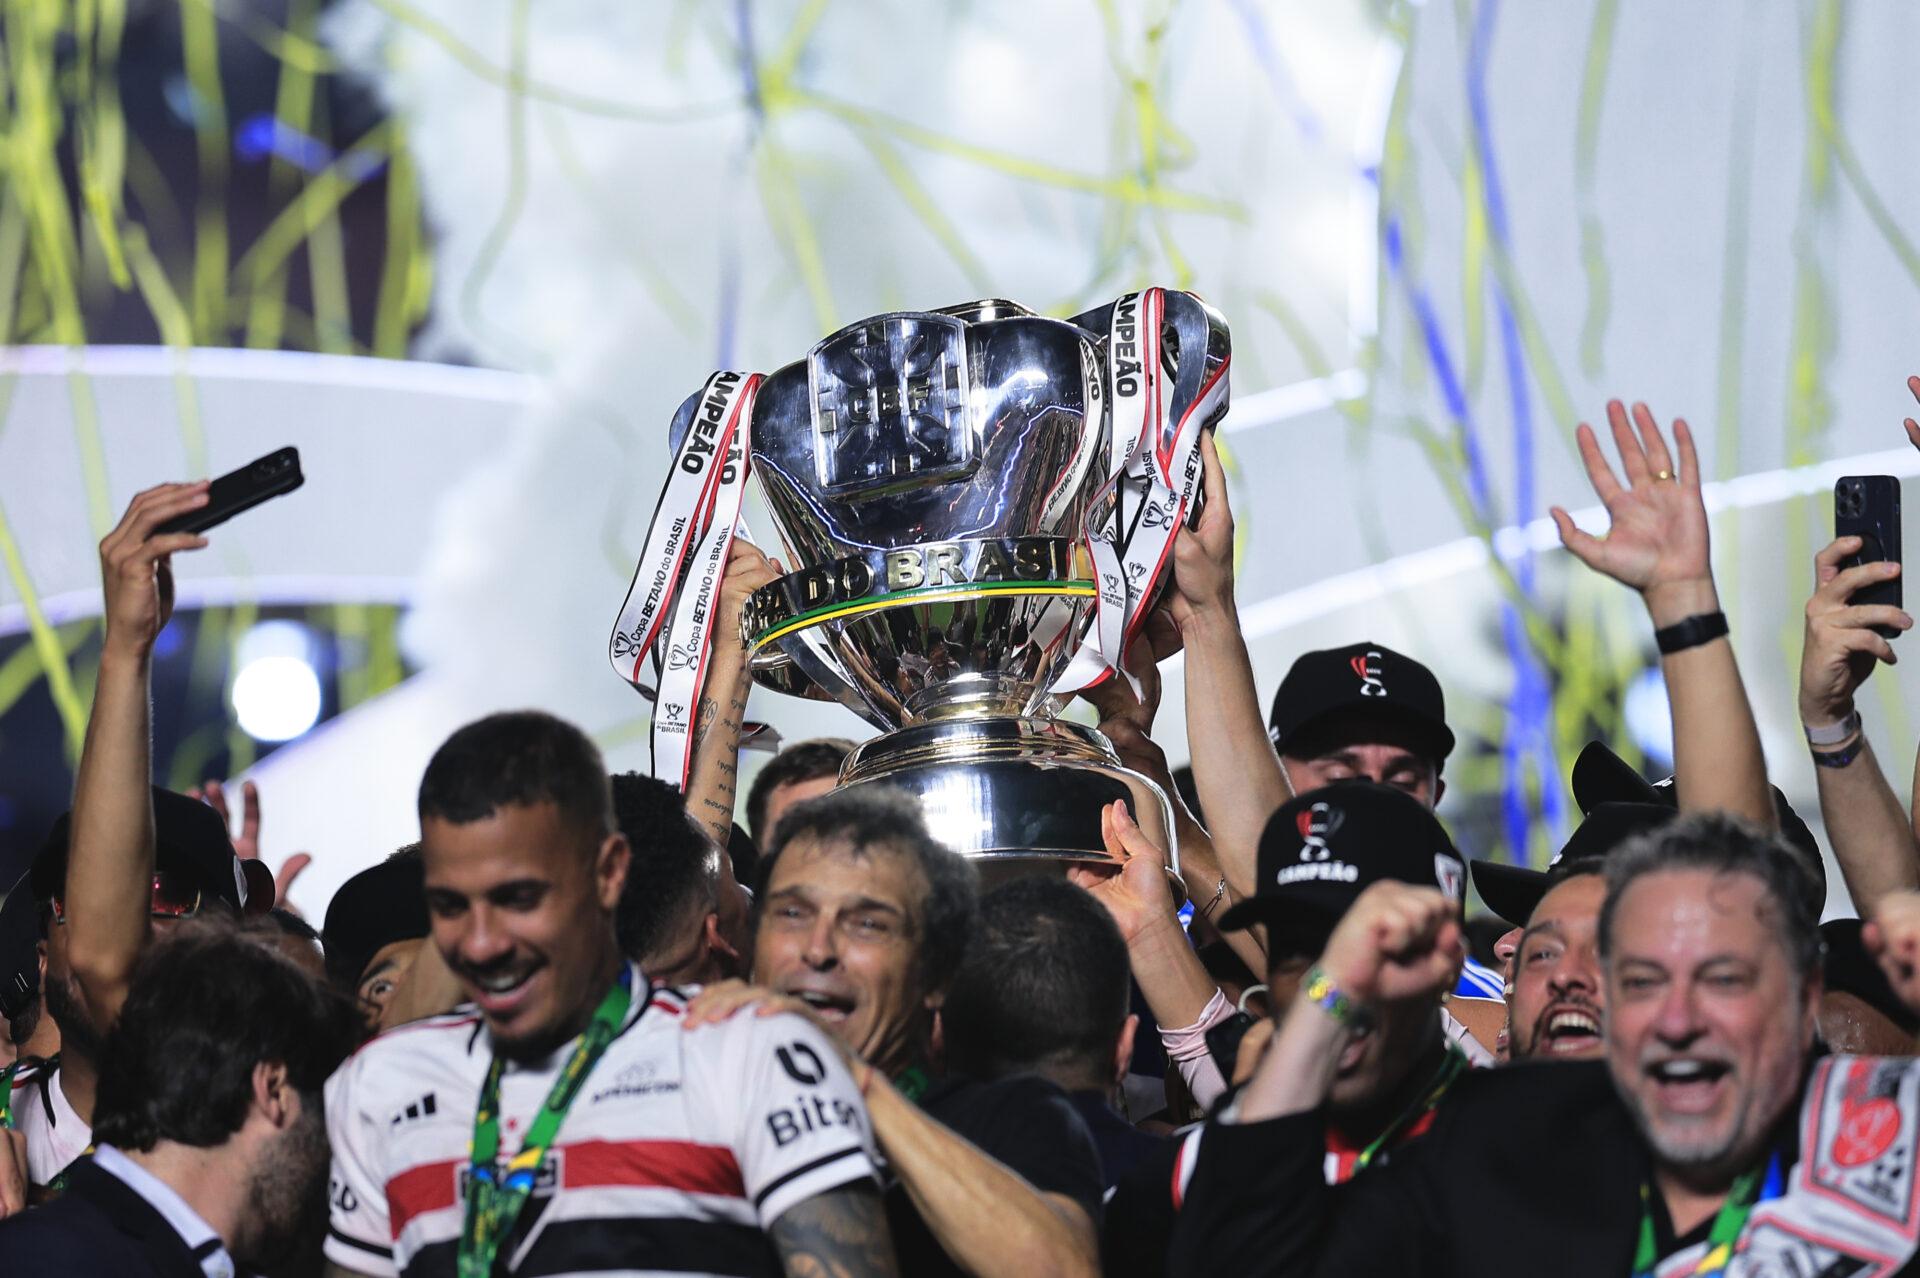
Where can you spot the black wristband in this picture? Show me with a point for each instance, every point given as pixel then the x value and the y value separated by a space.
pixel 1690 632
pixel 1843 756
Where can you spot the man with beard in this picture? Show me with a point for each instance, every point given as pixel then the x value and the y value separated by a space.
pixel 1556 998
pixel 1318 856
pixel 1712 1130
pixel 211 1145
pixel 862 918
pixel 562 1122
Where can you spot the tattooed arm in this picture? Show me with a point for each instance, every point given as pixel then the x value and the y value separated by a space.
pixel 839 1234
pixel 723 702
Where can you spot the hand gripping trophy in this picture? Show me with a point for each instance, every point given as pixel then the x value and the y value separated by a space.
pixel 980 503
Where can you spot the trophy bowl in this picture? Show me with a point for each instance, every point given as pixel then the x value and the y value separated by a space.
pixel 932 476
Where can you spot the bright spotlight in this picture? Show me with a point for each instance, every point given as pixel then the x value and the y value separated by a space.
pixel 276 695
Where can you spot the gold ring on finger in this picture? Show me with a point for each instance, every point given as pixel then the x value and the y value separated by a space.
pixel 1663 474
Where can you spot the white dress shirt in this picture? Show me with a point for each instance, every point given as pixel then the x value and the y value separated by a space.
pixel 194 1231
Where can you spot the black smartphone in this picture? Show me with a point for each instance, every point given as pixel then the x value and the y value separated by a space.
pixel 259 480
pixel 1223 1041
pixel 1868 507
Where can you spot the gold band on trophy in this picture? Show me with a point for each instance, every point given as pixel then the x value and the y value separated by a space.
pixel 935 572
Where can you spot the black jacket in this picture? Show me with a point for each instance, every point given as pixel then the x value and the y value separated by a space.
pixel 99 1228
pixel 1528 1169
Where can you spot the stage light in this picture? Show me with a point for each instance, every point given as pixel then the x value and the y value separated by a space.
pixel 1650 717
pixel 276 694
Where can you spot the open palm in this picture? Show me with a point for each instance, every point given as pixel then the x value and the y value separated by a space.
pixel 1658 532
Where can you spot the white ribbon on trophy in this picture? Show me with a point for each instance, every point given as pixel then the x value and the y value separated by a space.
pixel 1154 471
pixel 663 642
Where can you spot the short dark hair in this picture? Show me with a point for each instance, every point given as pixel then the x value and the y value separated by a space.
pixel 1720 843
pixel 866 820
pixel 1041 989
pixel 516 759
pixel 675 867
pixel 207 1003
pixel 293 925
pixel 801 761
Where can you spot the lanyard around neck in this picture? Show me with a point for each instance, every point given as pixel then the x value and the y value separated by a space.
pixel 1747 1191
pixel 1451 1067
pixel 495 1196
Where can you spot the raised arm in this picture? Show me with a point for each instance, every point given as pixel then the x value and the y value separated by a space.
pixel 983 1214
pixel 1184 998
pixel 108 895
pixel 723 701
pixel 1397 943
pixel 1127 720
pixel 1234 766
pixel 1658 545
pixel 839 1234
pixel 1871 836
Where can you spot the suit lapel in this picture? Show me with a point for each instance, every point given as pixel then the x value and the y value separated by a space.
pixel 135 1217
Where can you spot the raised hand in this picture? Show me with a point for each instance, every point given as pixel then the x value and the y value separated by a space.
pixel 1121 712
pixel 246 845
pixel 721 1000
pixel 1396 942
pixel 1840 648
pixel 747 570
pixel 1658 538
pixel 135 565
pixel 1139 893
pixel 1203 556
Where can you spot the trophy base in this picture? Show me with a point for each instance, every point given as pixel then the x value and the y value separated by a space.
pixel 1015 795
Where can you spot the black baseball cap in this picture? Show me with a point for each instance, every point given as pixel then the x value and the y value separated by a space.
pixel 189 838
pixel 19 949
pixel 1320 851
pixel 1512 891
pixel 373 909
pixel 1362 680
pixel 1601 776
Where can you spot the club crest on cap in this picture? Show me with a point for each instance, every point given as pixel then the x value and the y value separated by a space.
pixel 1316 825
pixel 1450 875
pixel 1366 667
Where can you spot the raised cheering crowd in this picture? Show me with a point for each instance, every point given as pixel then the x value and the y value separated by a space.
pixel 588 1024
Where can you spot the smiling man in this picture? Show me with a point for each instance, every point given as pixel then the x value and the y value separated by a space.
pixel 1556 998
pixel 862 919
pixel 1714 1138
pixel 562 1122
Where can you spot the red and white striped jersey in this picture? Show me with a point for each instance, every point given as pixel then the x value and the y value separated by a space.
pixel 681 1148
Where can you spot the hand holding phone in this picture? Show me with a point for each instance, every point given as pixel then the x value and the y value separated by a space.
pixel 259 480
pixel 1868 507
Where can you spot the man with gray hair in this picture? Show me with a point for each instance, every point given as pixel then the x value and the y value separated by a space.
pixel 1716 1137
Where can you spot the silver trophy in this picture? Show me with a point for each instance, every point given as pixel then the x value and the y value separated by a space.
pixel 934 477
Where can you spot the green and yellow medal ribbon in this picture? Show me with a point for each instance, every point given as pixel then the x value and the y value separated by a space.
pixel 496 1195
pixel 1747 1190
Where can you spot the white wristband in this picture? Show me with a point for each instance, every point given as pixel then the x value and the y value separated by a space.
pixel 1834 733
